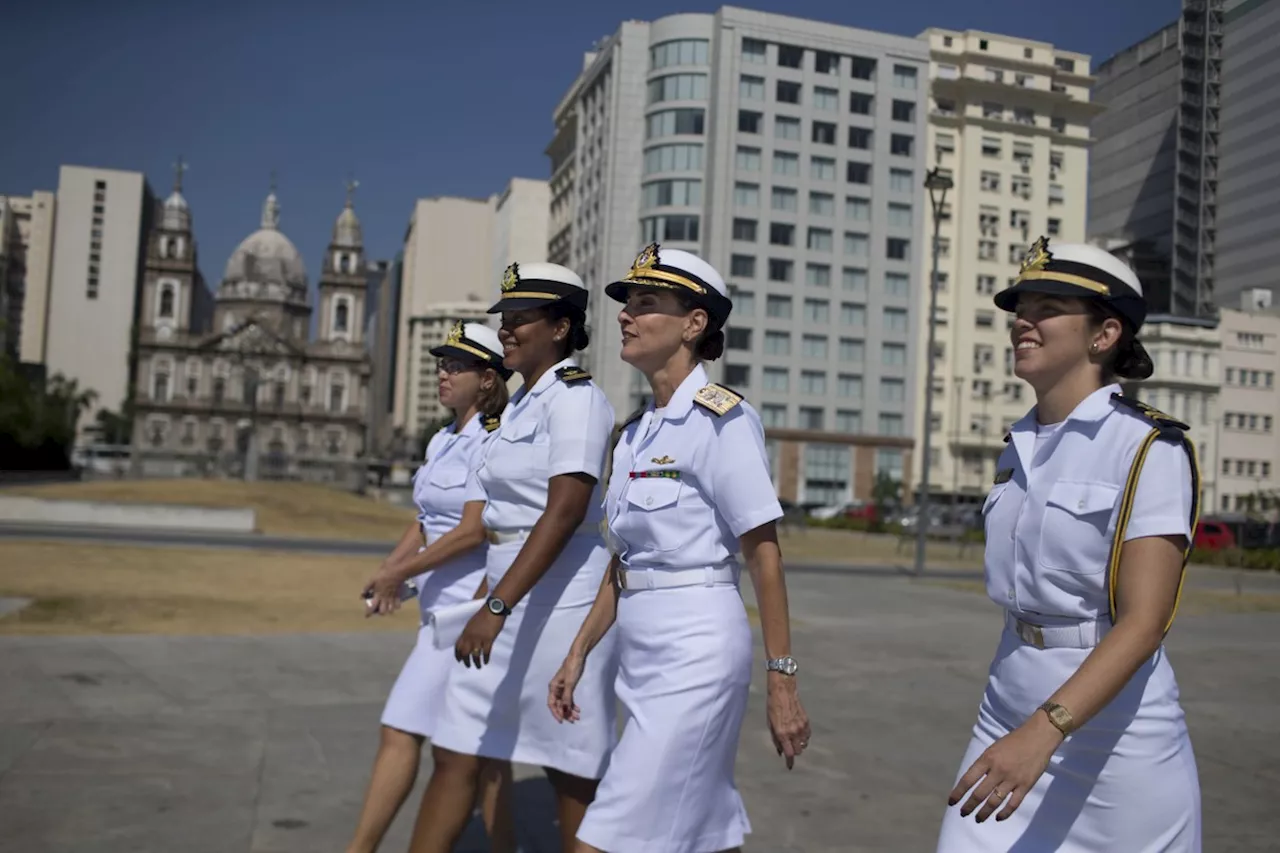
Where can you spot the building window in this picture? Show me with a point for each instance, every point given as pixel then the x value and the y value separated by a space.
pixel 742 266
pixel 785 200
pixel 780 270
pixel 904 111
pixel 748 159
pixel 678 193
pixel 826 473
pixel 680 52
pixel 337 394
pixel 1064 64
pixel 819 239
pixel 678 87
pixel 858 209
pixel 822 204
pixel 777 379
pixel 853 314
pixel 785 163
pixel 822 169
pixel 862 68
pixel 854 280
pixel 899 284
pixel 811 418
pixel 749 122
pixel 790 57
pixel 781 234
pixel 166 302
pixel 900 215
pixel 744 230
pixel 817 311
pixel 754 50
pixel 860 103
pixel 738 338
pixel 785 127
pixel 777 343
pixel 827 100
pixel 849 386
pixel 892 390
pixel 895 319
pixel 901 145
pixel 904 77
pixel 897 249
pixel 893 355
pixel 856 245
pixel 858 173
pixel 737 375
pixel 814 346
pixel 848 422
pixel 860 138
pixel 744 301
pixel 787 92
pixel 675 122
pixel 990 181
pixel 669 228
pixel 826 63
pixel 773 416
pixel 824 133
pixel 813 383
pixel 674 158
pixel 340 317
pixel 852 351
pixel 160 385
pixel 901 180
pixel 778 307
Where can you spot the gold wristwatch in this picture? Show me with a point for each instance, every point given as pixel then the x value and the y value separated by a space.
pixel 1059 716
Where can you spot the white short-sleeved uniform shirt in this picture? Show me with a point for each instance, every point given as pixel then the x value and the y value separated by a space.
pixel 556 427
pixel 686 483
pixel 439 486
pixel 1051 516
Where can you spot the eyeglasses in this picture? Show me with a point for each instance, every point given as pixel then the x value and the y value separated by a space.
pixel 453 365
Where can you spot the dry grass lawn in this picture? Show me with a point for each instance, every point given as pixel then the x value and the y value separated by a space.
pixel 852 548
pixel 106 589
pixel 283 509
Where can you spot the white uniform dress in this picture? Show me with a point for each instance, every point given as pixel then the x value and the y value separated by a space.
pixel 500 710
pixel 438 490
pixel 1126 780
pixel 686 484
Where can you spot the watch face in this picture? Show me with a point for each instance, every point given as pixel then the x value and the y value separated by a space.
pixel 496 607
pixel 789 666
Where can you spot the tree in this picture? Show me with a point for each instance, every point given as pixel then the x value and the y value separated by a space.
pixel 38 418
pixel 886 494
pixel 114 428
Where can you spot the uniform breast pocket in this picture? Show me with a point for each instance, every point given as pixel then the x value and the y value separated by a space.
pixel 654 520
pixel 1074 533
pixel 450 475
pixel 518 452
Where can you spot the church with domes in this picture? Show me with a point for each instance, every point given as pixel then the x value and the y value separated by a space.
pixel 235 385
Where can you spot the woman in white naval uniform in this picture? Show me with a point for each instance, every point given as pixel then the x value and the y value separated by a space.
pixel 689 489
pixel 539 484
pixel 1080 744
pixel 448 570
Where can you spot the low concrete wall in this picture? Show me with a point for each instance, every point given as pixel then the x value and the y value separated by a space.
pixel 22 510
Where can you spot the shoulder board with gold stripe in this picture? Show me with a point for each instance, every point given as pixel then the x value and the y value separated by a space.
pixel 491 422
pixel 1169 426
pixel 572 373
pixel 717 398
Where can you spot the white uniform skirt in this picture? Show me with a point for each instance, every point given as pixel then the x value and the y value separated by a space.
pixel 500 710
pixel 1126 780
pixel 418 694
pixel 684 671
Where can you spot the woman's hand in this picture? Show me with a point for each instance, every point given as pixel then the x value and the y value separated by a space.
pixel 560 691
pixel 383 591
pixel 1008 769
pixel 788 723
pixel 476 642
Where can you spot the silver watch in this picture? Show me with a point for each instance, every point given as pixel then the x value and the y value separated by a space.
pixel 786 665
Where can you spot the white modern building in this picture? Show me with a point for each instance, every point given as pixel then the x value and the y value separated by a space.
pixel 26 258
pixel 102 223
pixel 1247 472
pixel 1008 123
pixel 455 251
pixel 790 153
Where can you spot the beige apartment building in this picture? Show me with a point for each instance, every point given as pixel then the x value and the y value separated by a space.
pixel 26 260
pixel 1009 124
pixel 455 250
pixel 1248 466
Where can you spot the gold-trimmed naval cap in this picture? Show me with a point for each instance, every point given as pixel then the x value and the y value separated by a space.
pixel 473 342
pixel 536 285
pixel 1080 270
pixel 678 270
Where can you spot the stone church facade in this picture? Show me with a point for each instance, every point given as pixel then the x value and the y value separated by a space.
pixel 243 389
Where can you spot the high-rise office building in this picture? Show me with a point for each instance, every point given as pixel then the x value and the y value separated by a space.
pixel 1153 177
pixel 1248 251
pixel 103 222
pixel 1248 470
pixel 26 255
pixel 790 154
pixel 455 251
pixel 1009 125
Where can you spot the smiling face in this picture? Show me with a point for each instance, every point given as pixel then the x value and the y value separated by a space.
pixel 655 326
pixel 1053 336
pixel 529 340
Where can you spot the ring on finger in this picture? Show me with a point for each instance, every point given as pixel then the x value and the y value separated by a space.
pixel 997 794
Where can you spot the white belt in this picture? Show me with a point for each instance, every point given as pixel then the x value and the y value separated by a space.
pixel 1076 635
pixel 502 537
pixel 630 578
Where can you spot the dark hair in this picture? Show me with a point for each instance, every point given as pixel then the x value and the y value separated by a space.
pixel 494 400
pixel 710 344
pixel 1128 359
pixel 577 339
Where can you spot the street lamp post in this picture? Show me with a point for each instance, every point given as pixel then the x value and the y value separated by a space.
pixel 937 184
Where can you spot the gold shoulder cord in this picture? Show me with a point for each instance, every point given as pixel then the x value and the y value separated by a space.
pixel 1126 510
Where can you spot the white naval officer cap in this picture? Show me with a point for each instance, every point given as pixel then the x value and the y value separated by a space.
pixel 681 271
pixel 473 342
pixel 1080 270
pixel 536 285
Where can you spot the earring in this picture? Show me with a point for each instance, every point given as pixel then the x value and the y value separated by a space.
pixel 1093 348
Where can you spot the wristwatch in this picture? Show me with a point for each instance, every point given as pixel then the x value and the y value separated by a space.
pixel 1059 716
pixel 786 665
pixel 497 606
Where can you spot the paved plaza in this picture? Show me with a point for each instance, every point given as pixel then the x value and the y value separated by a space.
pixel 230 745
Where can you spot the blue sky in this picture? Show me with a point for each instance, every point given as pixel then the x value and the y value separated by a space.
pixel 415 98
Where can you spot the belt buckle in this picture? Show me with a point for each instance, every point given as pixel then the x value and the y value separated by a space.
pixel 492 536
pixel 1031 634
pixel 621 575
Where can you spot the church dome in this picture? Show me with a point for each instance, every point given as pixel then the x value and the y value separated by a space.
pixel 267 256
pixel 177 216
pixel 346 230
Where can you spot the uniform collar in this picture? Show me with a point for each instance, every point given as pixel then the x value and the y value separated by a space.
pixel 545 380
pixel 1090 410
pixel 682 400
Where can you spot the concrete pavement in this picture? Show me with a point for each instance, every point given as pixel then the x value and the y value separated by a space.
pixel 263 745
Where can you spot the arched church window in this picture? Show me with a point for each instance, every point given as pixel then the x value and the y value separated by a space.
pixel 340 318
pixel 166 301
pixel 336 394
pixel 160 385
pixel 219 389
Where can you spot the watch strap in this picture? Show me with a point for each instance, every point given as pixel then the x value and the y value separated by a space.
pixel 1059 716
